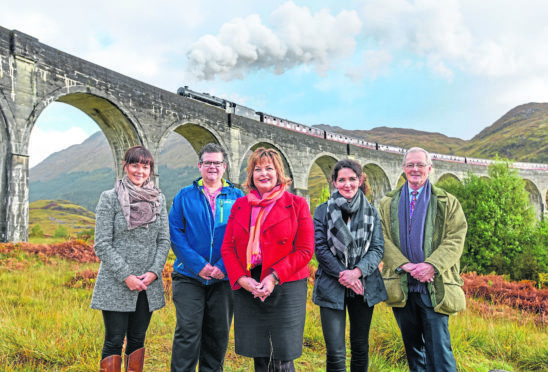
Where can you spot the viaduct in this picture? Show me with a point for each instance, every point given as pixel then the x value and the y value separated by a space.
pixel 130 112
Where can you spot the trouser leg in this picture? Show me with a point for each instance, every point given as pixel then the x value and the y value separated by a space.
pixel 439 353
pixel 116 324
pixel 360 315
pixel 189 301
pixel 411 327
pixel 138 323
pixel 216 326
pixel 333 327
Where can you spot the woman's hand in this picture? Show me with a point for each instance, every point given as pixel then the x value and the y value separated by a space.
pixel 261 290
pixel 147 278
pixel 266 287
pixel 135 284
pixel 247 283
pixel 351 279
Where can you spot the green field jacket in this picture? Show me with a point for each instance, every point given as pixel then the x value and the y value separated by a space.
pixel 444 234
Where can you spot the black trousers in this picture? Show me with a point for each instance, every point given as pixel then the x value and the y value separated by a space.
pixel 134 325
pixel 204 315
pixel 333 327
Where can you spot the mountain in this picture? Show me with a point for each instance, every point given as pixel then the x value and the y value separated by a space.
pixel 81 172
pixel 521 135
pixel 95 154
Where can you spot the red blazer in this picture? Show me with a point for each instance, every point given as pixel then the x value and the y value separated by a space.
pixel 287 239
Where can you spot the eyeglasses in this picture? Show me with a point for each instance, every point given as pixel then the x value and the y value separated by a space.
pixel 418 165
pixel 216 164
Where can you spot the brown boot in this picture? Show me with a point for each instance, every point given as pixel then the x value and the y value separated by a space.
pixel 135 360
pixel 112 363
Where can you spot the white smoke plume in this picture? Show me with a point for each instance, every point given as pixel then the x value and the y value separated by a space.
pixel 296 37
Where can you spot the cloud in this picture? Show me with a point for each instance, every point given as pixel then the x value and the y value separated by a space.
pixel 296 37
pixel 486 38
pixel 43 143
pixel 374 63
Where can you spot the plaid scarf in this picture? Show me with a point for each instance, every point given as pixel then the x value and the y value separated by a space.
pixel 349 243
pixel 140 205
pixel 254 254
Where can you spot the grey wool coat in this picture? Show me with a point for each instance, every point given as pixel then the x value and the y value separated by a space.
pixel 124 252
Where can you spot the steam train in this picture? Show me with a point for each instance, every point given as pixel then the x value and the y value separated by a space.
pixel 237 109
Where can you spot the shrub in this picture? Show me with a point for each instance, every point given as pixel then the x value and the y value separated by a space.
pixel 61 232
pixel 36 231
pixel 500 221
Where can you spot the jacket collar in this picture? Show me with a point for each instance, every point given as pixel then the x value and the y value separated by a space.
pixel 278 213
pixel 199 182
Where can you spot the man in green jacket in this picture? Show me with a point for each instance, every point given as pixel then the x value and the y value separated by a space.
pixel 424 229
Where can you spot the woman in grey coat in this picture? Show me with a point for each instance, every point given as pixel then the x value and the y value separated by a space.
pixel 132 242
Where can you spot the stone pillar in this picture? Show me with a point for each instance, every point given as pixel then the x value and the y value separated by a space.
pixel 304 193
pixel 17 198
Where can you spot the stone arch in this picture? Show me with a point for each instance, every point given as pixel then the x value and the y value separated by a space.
pixel 535 197
pixel 198 135
pixel 120 127
pixel 448 175
pixel 269 145
pixel 378 180
pixel 320 167
pixel 400 180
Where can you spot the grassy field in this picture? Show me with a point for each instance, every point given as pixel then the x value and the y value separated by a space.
pixel 46 325
pixel 50 214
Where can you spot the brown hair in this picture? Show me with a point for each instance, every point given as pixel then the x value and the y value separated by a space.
pixel 355 167
pixel 260 155
pixel 139 154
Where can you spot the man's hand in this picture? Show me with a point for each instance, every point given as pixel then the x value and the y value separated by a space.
pixel 206 272
pixel 423 272
pixel 217 273
pixel 408 267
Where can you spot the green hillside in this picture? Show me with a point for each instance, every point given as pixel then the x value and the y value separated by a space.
pixel 521 134
pixel 50 214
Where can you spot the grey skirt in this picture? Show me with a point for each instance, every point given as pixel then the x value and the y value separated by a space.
pixel 273 328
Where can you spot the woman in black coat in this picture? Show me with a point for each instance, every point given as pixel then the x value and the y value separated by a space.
pixel 349 249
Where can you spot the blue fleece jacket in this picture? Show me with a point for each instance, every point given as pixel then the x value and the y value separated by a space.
pixel 196 238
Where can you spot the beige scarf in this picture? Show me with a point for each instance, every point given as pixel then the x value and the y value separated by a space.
pixel 140 205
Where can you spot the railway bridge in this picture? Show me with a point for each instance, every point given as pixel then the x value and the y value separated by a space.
pixel 130 112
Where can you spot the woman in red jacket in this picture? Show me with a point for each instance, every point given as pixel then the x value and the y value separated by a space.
pixel 268 243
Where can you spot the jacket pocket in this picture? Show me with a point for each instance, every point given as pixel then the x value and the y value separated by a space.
pixel 453 301
pixel 396 297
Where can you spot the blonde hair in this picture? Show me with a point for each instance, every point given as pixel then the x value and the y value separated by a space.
pixel 259 156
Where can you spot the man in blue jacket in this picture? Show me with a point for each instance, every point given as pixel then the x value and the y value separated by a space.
pixel 201 291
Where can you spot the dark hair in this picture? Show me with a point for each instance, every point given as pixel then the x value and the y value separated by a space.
pixel 139 154
pixel 355 167
pixel 212 148
pixel 259 156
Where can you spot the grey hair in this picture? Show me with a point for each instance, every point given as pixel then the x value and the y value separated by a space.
pixel 213 148
pixel 418 149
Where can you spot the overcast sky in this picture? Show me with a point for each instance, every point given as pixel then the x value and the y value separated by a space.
pixel 452 67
